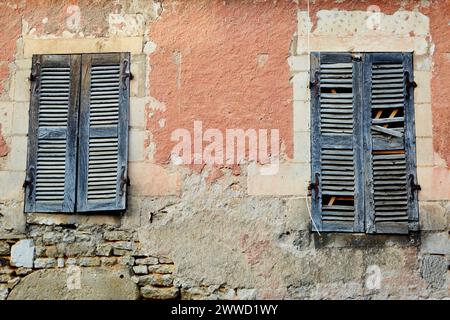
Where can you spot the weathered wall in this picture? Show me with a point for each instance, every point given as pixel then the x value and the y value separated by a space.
pixel 222 231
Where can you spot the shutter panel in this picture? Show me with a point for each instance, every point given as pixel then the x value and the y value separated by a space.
pixel 102 170
pixel 389 134
pixel 51 166
pixel 336 141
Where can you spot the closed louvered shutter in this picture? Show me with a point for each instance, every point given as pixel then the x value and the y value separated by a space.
pixel 102 169
pixel 391 199
pixel 51 166
pixel 336 142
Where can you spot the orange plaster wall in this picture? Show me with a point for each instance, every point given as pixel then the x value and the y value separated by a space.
pixel 223 63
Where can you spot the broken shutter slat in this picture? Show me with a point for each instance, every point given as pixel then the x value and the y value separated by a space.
pixel 391 205
pixel 103 153
pixel 51 166
pixel 336 124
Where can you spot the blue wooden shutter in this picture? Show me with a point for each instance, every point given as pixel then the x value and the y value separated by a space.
pixel 337 194
pixel 51 166
pixel 390 161
pixel 103 152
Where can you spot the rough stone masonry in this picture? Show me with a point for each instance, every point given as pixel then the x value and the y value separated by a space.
pixel 220 232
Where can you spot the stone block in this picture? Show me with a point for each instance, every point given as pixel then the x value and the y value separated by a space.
pixel 133 45
pixel 118 235
pixel 435 243
pixel 304 24
pixel 108 261
pixel 60 262
pixel 97 284
pixel 299 63
pixel 423 120
pixel 138 69
pixel 161 268
pixel 89 262
pixel 149 292
pixel 434 182
pixel 23 271
pixel 4 248
pixel 147 261
pixel 288 179
pixel 422 94
pixel 422 63
pixel 125 261
pixel 20 118
pixel 11 186
pixel 153 180
pixel 432 216
pixel 3 292
pixel 302 146
pixel 302 115
pixel 104 249
pixel 140 269
pixel 6 116
pixel 52 237
pixel 23 64
pixel 123 245
pixel 434 270
pixel 80 249
pixel 159 280
pixel 43 263
pixel 361 43
pixel 136 145
pixel 22 85
pixel 17 158
pixel 137 112
pixel 52 252
pixel 424 151
pixel 22 253
pixel 13 282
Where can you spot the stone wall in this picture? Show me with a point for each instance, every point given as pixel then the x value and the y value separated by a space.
pixel 224 231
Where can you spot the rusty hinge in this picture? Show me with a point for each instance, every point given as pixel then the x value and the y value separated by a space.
pixel 34 76
pixel 29 180
pixel 357 57
pixel 314 185
pixel 315 84
pixel 124 180
pixel 125 73
pixel 414 187
pixel 408 81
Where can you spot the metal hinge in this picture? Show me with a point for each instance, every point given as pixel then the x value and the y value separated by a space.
pixel 315 84
pixel 414 187
pixel 357 57
pixel 409 83
pixel 34 77
pixel 29 180
pixel 124 180
pixel 314 185
pixel 125 73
